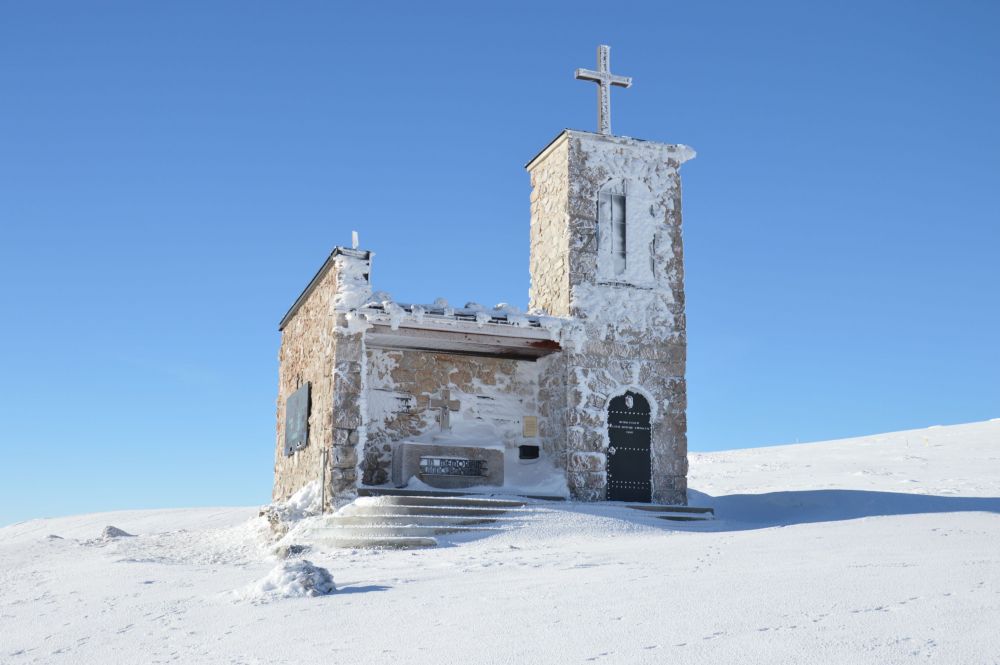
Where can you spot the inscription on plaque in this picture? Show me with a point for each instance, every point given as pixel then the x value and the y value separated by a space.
pixel 297 420
pixel 629 462
pixel 452 466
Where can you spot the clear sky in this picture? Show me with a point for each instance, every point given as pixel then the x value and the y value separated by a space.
pixel 172 175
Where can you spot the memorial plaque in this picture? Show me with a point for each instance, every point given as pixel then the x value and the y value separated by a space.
pixel 297 420
pixel 529 427
pixel 457 467
pixel 452 466
pixel 630 467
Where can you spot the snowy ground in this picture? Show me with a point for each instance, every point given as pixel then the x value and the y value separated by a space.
pixel 883 549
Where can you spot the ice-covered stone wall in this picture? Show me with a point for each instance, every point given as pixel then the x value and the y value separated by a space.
pixel 492 396
pixel 323 344
pixel 549 257
pixel 633 334
pixel 308 342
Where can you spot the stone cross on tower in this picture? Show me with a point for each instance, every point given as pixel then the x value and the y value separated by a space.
pixel 446 404
pixel 604 80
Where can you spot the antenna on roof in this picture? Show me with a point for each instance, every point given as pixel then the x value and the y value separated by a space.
pixel 354 239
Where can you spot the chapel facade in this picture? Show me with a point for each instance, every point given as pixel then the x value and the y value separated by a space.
pixel 583 396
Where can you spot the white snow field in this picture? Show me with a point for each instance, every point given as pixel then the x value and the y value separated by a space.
pixel 882 549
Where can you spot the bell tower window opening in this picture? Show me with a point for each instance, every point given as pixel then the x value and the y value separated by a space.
pixel 612 215
pixel 619 251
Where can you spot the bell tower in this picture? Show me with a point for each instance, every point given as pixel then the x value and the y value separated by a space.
pixel 607 251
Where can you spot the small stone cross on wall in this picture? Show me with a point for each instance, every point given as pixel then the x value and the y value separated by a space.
pixel 447 405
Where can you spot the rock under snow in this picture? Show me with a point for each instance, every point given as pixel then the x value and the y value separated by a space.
pixel 290 550
pixel 290 579
pixel 112 532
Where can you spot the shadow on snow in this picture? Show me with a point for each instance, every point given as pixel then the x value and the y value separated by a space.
pixel 347 588
pixel 808 506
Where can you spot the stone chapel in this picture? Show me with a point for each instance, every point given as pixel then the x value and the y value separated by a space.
pixel 582 396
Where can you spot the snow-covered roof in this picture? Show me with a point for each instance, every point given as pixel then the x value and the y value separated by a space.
pixel 501 314
pixel 682 152
pixel 501 331
pixel 362 254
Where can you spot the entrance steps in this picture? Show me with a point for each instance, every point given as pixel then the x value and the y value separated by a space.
pixel 403 521
pixel 676 513
pixel 430 511
pixel 410 521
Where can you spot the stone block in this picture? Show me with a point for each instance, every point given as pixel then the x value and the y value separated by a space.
pixel 376 466
pixel 346 410
pixel 587 486
pixel 348 376
pixel 585 439
pixel 406 457
pixel 345 437
pixel 349 348
pixel 343 479
pixel 670 490
pixel 590 462
pixel 345 457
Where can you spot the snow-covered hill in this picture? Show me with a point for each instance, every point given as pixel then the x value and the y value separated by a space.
pixel 882 549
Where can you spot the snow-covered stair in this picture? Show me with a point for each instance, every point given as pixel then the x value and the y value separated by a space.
pixel 410 521
pixel 677 513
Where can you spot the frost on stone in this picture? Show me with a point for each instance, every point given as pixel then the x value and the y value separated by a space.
pixel 353 289
pixel 356 323
pixel 304 503
pixel 289 579
pixel 506 308
pixel 645 310
pixel 395 313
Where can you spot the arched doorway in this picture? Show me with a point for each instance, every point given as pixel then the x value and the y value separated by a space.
pixel 629 466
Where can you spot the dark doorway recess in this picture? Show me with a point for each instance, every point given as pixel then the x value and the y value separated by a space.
pixel 629 463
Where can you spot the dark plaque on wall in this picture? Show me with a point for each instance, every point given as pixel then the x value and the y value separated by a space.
pixel 297 420
pixel 629 463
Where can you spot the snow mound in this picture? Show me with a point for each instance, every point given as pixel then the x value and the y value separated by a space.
pixel 288 551
pixel 303 503
pixel 290 579
pixel 283 515
pixel 112 532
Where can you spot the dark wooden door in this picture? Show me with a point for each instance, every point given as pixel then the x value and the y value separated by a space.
pixel 629 467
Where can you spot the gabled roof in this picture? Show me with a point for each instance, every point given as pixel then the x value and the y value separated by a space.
pixel 318 277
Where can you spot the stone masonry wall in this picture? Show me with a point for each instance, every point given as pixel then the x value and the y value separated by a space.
pixel 323 345
pixel 494 394
pixel 549 259
pixel 308 344
pixel 633 332
pixel 349 370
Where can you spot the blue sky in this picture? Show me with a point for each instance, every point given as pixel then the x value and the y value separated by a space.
pixel 172 174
